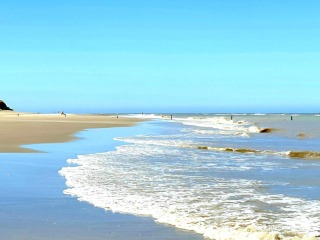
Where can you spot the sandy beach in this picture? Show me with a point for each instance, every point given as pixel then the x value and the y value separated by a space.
pixel 30 128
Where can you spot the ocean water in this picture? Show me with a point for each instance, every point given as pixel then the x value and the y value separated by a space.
pixel 248 176
pixel 33 206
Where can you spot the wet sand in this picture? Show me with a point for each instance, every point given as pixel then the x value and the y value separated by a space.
pixel 29 128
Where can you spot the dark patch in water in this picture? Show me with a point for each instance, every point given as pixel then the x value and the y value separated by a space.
pixel 266 130
pixel 305 155
pixel 203 147
pixel 241 150
pixel 301 135
pixel 292 154
pixel 245 150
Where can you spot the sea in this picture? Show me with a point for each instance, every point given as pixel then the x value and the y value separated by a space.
pixel 239 176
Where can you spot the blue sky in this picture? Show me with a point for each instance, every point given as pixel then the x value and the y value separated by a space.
pixel 160 56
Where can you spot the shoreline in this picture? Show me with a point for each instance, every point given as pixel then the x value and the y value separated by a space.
pixel 33 205
pixel 19 129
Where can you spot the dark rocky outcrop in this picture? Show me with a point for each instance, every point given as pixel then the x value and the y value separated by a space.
pixel 3 106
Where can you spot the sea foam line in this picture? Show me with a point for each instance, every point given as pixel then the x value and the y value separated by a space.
pixel 311 155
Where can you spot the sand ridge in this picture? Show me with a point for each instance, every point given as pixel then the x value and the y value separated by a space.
pixel 18 129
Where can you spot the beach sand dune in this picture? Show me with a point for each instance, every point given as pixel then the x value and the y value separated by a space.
pixel 18 129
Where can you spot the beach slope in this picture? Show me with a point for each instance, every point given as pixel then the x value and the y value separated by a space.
pixel 19 129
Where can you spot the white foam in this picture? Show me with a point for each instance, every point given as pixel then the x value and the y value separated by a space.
pixel 144 116
pixel 253 129
pixel 226 126
pixel 139 179
pixel 258 114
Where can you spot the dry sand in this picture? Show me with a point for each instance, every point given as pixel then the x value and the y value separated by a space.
pixel 18 129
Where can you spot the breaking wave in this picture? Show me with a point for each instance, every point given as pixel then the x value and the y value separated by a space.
pixel 183 194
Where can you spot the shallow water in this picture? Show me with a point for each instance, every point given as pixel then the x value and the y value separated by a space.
pixel 219 177
pixel 33 206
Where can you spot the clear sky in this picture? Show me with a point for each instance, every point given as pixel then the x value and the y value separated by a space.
pixel 160 55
